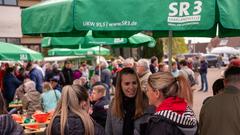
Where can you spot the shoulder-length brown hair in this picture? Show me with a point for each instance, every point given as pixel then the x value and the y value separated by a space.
pixel 117 105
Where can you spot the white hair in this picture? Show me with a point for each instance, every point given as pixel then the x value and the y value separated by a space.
pixel 104 63
pixel 144 63
pixel 29 85
pixel 128 62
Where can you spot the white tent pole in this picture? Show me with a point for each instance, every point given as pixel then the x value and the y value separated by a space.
pixel 217 31
pixel 170 42
pixel 99 60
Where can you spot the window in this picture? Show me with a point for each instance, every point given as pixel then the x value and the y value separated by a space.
pixel 2 39
pixel 8 2
pixel 10 40
pixel 13 40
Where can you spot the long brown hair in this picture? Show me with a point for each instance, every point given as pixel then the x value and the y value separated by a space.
pixel 71 99
pixel 171 86
pixel 117 105
pixel 3 109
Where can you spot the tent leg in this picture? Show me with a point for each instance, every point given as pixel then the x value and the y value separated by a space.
pixel 99 62
pixel 170 42
pixel 131 54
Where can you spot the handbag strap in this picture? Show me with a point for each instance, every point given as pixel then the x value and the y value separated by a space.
pixel 56 95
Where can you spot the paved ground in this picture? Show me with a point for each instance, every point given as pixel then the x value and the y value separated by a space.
pixel 213 74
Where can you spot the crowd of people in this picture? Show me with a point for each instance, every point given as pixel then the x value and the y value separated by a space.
pixel 122 97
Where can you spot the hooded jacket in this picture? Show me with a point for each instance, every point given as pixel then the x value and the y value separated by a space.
pixel 32 98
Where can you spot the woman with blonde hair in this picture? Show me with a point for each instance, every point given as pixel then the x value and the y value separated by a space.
pixel 171 96
pixel 71 115
pixel 49 97
pixel 128 108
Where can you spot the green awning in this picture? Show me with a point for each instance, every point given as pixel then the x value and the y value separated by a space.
pixel 63 42
pixel 134 41
pixel 123 18
pixel 12 52
pixel 51 18
pixel 78 52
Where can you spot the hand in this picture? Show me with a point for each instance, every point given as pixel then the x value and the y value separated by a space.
pixel 90 110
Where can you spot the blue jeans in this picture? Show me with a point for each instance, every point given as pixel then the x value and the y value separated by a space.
pixel 204 81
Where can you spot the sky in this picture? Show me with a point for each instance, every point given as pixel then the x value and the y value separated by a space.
pixel 196 40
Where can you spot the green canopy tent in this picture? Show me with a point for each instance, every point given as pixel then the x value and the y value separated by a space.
pixel 122 18
pixel 165 18
pixel 103 51
pixel 79 42
pixel 185 18
pixel 63 42
pixel 51 18
pixel 78 52
pixel 12 52
pixel 136 40
pixel 89 41
pixel 133 41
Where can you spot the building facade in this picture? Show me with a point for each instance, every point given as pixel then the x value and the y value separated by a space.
pixel 10 28
pixel 10 23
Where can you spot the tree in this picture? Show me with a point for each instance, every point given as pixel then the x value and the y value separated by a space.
pixel 179 46
pixel 45 51
pixel 156 51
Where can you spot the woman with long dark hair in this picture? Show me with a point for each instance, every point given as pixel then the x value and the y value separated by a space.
pixel 128 108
